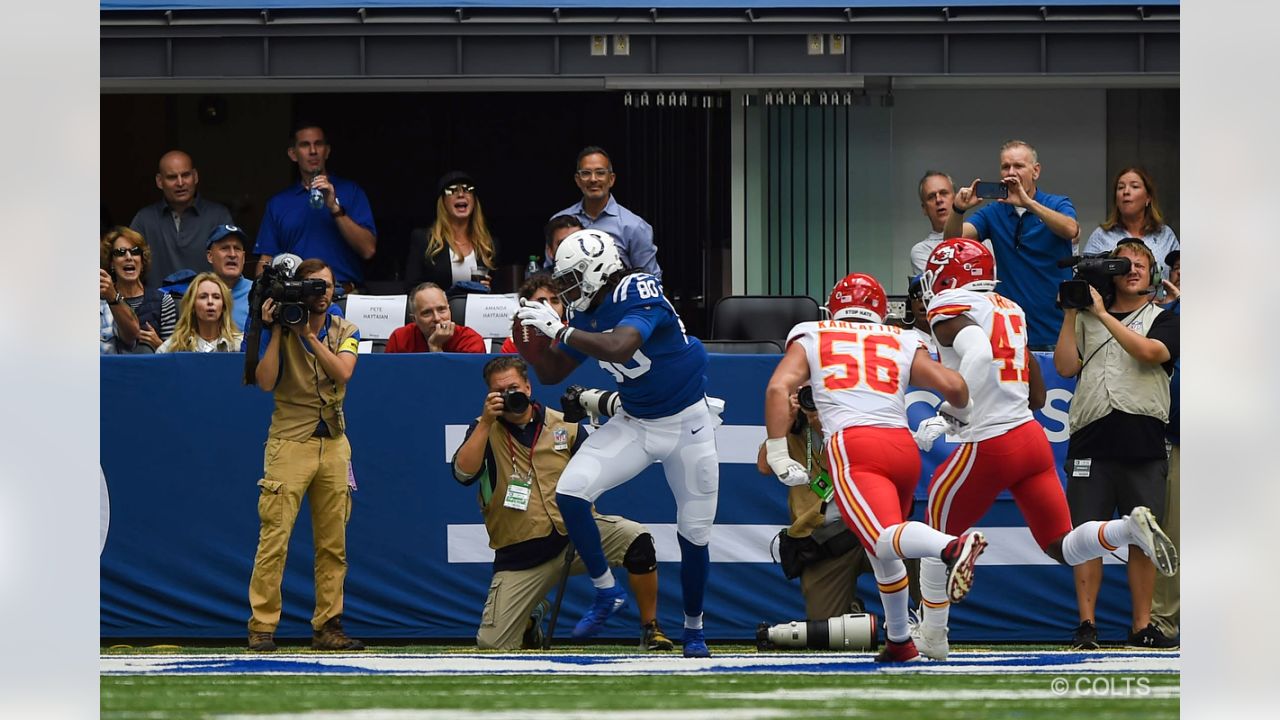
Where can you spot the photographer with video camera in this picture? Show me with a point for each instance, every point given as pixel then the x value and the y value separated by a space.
pixel 517 450
pixel 1121 348
pixel 307 359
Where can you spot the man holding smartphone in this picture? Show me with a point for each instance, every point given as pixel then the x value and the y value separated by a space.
pixel 1030 230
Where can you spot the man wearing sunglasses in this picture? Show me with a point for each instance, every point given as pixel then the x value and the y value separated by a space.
pixel 177 226
pixel 1030 231
pixel 598 210
pixel 336 227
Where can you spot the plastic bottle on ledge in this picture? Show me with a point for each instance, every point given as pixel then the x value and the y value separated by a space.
pixel 532 267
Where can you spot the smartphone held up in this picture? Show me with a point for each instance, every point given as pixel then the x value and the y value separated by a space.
pixel 991 190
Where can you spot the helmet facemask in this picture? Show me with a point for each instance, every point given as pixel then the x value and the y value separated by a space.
pixel 585 261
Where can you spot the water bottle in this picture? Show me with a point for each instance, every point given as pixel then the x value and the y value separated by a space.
pixel 533 266
pixel 315 199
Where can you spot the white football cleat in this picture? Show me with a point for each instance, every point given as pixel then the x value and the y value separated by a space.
pixel 1149 538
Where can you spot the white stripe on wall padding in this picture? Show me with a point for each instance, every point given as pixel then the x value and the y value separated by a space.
pixel 751 544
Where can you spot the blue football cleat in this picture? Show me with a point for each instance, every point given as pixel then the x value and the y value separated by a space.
pixel 607 604
pixel 695 644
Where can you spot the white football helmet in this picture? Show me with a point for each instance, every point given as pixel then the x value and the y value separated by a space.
pixel 584 262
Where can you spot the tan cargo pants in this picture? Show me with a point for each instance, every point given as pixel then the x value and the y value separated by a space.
pixel 315 468
pixel 513 593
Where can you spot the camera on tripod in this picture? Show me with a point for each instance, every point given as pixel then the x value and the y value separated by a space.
pixel 1091 270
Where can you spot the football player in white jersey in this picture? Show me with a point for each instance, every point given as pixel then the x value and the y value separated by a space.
pixel 983 336
pixel 859 369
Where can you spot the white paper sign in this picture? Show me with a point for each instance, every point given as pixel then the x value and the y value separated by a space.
pixel 490 315
pixel 376 315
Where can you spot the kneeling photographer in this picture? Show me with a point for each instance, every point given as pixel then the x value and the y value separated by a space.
pixel 1121 347
pixel 306 363
pixel 818 548
pixel 516 450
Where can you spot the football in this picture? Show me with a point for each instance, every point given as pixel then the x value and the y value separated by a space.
pixel 530 343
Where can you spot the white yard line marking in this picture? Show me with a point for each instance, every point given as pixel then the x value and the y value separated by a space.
pixel 453 714
pixel 961 662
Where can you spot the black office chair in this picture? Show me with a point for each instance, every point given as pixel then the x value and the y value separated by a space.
pixel 458 308
pixel 761 317
pixel 743 347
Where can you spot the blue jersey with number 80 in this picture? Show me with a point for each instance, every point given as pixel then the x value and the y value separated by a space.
pixel 669 371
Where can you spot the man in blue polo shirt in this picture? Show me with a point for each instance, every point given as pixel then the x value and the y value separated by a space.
pixel 598 210
pixel 1030 231
pixel 340 231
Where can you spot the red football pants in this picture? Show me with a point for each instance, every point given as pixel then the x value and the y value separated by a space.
pixel 875 471
pixel 965 486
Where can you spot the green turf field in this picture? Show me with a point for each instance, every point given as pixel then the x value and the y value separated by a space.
pixel 382 685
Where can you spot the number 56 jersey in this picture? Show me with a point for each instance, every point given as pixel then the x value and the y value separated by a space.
pixel 858 371
pixel 1000 395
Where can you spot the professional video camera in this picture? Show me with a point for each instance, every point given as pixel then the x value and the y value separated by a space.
pixel 291 296
pixel 578 402
pixel 1090 270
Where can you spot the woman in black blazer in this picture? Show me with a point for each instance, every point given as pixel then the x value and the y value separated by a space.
pixel 460 230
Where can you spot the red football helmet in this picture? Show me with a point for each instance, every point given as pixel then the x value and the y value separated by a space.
pixel 858 297
pixel 958 263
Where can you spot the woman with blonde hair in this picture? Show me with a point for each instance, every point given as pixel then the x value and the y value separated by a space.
pixel 204 319
pixel 125 259
pixel 459 228
pixel 1135 213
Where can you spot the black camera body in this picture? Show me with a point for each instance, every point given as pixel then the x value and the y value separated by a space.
pixel 514 401
pixel 276 281
pixel 291 296
pixel 1097 271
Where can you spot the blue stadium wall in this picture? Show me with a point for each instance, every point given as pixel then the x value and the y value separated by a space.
pixel 180 478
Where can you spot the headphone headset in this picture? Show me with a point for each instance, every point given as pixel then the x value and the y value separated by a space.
pixel 1154 278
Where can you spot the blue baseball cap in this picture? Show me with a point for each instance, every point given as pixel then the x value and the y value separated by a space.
pixel 224 230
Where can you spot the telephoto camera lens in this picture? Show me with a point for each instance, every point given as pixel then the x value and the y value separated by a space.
pixel 844 632
pixel 514 401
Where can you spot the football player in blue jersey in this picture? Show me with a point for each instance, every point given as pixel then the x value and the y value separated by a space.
pixel 622 319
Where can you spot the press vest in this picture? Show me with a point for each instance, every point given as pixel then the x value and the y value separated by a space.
pixel 805 505
pixel 1111 378
pixel 304 394
pixel 508 526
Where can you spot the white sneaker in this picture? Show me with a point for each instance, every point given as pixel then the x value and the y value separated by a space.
pixel 930 641
pixel 1149 538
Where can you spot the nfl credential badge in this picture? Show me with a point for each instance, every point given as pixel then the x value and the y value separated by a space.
pixel 560 437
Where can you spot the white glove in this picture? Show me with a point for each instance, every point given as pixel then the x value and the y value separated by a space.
pixel 540 316
pixel 789 471
pixel 930 429
pixel 957 418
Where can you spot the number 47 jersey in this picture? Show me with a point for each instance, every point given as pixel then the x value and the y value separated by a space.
pixel 669 371
pixel 1000 395
pixel 859 372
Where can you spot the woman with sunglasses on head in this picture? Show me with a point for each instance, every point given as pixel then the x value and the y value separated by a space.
pixel 460 229
pixel 125 259
pixel 204 320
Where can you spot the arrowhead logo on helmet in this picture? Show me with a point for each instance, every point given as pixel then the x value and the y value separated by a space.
pixel 958 263
pixel 584 262
pixel 858 297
